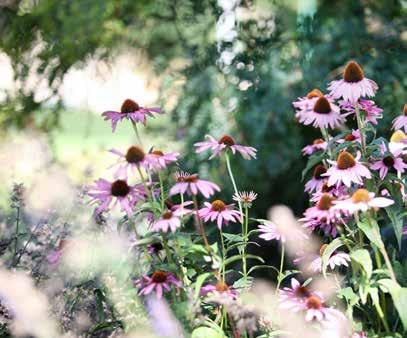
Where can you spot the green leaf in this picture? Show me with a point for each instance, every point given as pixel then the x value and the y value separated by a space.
pixel 100 298
pixel 399 296
pixel 233 237
pixel 207 332
pixel 372 232
pixel 239 257
pixel 199 281
pixel 329 250
pixel 312 162
pixel 397 222
pixel 362 257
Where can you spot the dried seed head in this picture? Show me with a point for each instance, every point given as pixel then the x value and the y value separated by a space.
pixel 159 276
pixel 129 106
pixel 361 195
pixel 322 106
pixel 345 160
pixel 227 140
pixel 353 72
pixel 218 205
pixel 119 188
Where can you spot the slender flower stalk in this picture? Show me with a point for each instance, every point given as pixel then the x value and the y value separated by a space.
pixel 134 124
pixel 200 224
pixel 234 185
pixel 361 129
pixel 280 271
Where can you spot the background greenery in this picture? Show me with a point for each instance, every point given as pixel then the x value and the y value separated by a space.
pixel 282 50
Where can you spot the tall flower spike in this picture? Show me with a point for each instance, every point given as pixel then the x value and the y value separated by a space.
pixel 131 111
pixel 354 84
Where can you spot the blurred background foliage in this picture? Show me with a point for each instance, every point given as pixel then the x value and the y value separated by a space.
pixel 225 67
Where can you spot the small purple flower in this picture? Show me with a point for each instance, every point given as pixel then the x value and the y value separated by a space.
pixel 157 160
pixel 373 112
pixel 353 136
pixel 134 158
pixel 269 231
pixel 220 287
pixel 170 220
pixel 318 144
pixel 224 143
pixel 306 103
pixel 160 282
pixel 324 114
pixel 219 211
pixel 192 184
pixel 117 192
pixel 317 180
pixel 354 85
pixel 391 161
pixel 401 121
pixel 362 200
pixel 132 111
pixel 294 295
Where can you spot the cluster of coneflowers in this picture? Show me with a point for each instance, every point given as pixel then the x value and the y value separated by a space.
pixel 354 176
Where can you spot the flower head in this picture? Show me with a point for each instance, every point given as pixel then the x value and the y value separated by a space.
pixel 170 219
pixel 324 114
pixel 219 211
pixel 362 200
pixel 347 170
pixel 224 143
pixel 157 160
pixel 318 144
pixel 119 191
pixel 246 198
pixel 160 281
pixel 353 136
pixel 392 161
pixel 220 287
pixel 373 112
pixel 306 103
pixel 192 184
pixel 317 180
pixel 354 85
pixel 401 121
pixel 323 210
pixel 132 111
pixel 134 158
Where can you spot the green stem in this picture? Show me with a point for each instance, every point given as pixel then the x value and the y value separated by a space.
pixel 137 133
pixel 234 184
pixel 360 127
pixel 245 230
pixel 325 135
pixel 223 255
pixel 280 272
pixel 167 249
pixel 200 225
pixel 143 180
pixel 161 190
pixel 17 230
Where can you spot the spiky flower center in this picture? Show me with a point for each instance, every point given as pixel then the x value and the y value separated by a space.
pixel 135 155
pixel 405 110
pixel 388 161
pixel 221 287
pixel 322 249
pixel 218 206
pixel 345 160
pixel 302 292
pixel 361 195
pixel 227 140
pixel 314 93
pixel 159 276
pixel 325 202
pixel 350 137
pixel 318 171
pixel 353 72
pixel 313 302
pixel 318 141
pixel 119 188
pixel 322 106
pixel 129 106
pixel 167 215
pixel 326 188
pixel 189 178
pixel 157 153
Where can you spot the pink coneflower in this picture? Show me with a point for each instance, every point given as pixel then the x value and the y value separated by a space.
pixel 346 170
pixel 156 159
pixel 338 258
pixel 269 231
pixel 353 136
pixel 219 211
pixel 246 198
pixel 401 121
pixel 373 112
pixel 324 114
pixel 389 162
pixel 354 85
pixel 192 184
pixel 362 200
pixel 307 102
pixel 160 281
pixel 220 287
pixel 316 310
pixel 329 229
pixel 132 111
pixel 317 180
pixel 134 158
pixel 298 293
pixel 224 143
pixel 339 192
pixel 116 192
pixel 318 144
pixel 323 210
pixel 170 219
